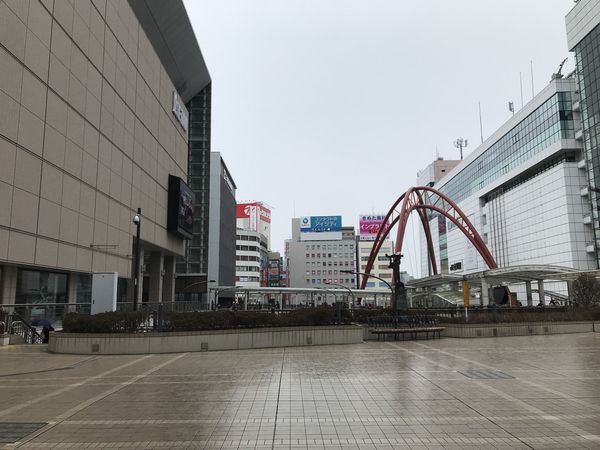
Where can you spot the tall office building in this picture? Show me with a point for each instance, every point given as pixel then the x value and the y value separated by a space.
pixel 92 127
pixel 522 190
pixel 583 37
pixel 251 251
pixel 320 249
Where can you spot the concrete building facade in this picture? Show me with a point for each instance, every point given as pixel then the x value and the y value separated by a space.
pixel 92 124
pixel 251 251
pixel 313 260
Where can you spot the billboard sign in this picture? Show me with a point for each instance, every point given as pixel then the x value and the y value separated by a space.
pixel 180 220
pixel 319 224
pixel 369 226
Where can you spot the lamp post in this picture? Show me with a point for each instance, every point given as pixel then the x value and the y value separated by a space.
pixel 344 287
pixel 352 272
pixel 137 219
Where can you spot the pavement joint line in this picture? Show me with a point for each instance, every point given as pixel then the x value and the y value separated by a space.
pixel 525 405
pixel 26 404
pixel 62 417
pixel 524 381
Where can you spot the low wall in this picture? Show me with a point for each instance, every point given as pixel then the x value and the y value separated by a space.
pixel 517 329
pixel 195 341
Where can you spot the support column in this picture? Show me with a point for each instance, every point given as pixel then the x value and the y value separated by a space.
pixel 8 293
pixel 247 300
pixel 528 293
pixel 168 281
pixel 569 292
pixel 155 278
pixel 485 292
pixel 541 292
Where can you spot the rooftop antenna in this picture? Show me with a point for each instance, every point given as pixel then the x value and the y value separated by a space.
pixel 521 83
pixel 558 75
pixel 511 107
pixel 480 123
pixel 532 89
pixel 461 143
pixel 437 153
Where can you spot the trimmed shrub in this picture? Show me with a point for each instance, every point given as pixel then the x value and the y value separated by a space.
pixel 130 322
pixel 108 322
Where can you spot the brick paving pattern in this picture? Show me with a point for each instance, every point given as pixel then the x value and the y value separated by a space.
pixel 377 395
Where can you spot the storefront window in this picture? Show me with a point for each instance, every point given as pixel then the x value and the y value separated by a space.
pixel 34 286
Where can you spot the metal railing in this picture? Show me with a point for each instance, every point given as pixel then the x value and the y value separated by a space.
pixel 12 323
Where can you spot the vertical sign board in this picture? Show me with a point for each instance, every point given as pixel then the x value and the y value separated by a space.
pixel 180 112
pixel 104 292
pixel 180 211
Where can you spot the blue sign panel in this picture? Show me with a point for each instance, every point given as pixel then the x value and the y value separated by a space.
pixel 320 223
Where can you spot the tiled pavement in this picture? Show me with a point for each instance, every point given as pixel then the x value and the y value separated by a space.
pixel 374 395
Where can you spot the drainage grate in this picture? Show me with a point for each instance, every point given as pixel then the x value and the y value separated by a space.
pixel 12 432
pixel 485 374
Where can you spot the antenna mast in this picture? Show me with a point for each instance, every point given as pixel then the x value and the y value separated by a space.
pixel 461 143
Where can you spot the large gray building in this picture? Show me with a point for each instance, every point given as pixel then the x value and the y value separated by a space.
pixel 92 126
pixel 583 37
pixel 319 251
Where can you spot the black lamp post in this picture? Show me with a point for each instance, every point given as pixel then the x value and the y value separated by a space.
pixel 137 219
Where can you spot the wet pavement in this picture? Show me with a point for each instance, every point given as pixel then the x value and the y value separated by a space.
pixel 518 392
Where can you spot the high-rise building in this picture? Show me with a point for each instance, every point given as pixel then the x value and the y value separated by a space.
pixel 275 272
pixel 320 250
pixel 522 190
pixel 583 38
pixel 435 171
pixel 92 127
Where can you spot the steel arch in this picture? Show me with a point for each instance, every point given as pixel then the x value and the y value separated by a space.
pixel 421 199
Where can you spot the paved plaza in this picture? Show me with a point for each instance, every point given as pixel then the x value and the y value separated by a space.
pixel 528 392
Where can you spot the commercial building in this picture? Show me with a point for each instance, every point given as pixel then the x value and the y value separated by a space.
pixel 369 225
pixel 276 274
pixel 320 249
pixel 524 189
pixel 435 171
pixel 583 38
pixel 92 127
pixel 251 254
pixel 255 216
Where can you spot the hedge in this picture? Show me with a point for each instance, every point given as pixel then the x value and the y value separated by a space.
pixel 131 322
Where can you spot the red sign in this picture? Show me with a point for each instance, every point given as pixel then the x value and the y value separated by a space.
pixel 254 212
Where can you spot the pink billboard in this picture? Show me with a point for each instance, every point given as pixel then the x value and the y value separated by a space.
pixel 369 225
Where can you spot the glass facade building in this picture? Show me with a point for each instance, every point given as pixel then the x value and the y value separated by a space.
pixel 548 124
pixel 587 58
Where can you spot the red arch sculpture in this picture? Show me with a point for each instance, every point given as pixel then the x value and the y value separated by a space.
pixel 421 199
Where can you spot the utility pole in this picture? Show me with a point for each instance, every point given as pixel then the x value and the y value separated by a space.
pixel 461 143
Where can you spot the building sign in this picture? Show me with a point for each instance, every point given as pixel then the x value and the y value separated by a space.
pixel 179 111
pixel 318 224
pixel 254 212
pixel 180 220
pixel 369 226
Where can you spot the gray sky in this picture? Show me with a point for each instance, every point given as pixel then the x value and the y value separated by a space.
pixel 330 107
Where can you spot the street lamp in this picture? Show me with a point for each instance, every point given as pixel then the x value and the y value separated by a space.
pixel 342 286
pixel 137 219
pixel 351 272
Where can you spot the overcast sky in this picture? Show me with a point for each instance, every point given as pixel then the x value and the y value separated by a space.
pixel 330 107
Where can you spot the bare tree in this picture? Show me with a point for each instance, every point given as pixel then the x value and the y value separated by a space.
pixel 586 290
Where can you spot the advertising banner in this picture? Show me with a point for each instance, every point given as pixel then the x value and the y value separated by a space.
pixel 369 226
pixel 180 220
pixel 317 224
